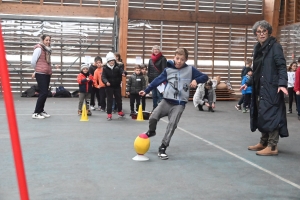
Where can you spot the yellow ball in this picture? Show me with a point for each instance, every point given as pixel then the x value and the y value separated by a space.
pixel 141 144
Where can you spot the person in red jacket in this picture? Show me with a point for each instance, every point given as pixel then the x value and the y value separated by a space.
pixel 297 89
pixel 85 81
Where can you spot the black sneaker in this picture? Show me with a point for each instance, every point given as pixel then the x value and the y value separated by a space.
pixel 162 153
pixel 150 133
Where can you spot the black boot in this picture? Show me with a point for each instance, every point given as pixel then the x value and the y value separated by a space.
pixel 210 109
pixel 200 107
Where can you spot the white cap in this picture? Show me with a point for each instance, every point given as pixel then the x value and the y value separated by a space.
pixel 110 56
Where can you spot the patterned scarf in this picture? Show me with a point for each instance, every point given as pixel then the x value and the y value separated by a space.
pixel 48 52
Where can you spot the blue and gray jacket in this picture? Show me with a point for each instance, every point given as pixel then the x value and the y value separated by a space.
pixel 177 88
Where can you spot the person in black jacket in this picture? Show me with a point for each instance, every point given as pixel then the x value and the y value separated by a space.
pixel 269 84
pixel 95 91
pixel 135 84
pixel 156 66
pixel 112 78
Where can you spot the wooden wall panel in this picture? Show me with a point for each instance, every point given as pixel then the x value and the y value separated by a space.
pixel 71 42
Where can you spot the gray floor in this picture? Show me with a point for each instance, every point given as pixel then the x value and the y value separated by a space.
pixel 208 157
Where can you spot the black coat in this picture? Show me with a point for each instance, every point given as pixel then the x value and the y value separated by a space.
pixel 270 114
pixel 135 83
pixel 113 76
pixel 160 65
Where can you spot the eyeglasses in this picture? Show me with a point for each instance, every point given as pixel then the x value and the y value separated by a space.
pixel 264 32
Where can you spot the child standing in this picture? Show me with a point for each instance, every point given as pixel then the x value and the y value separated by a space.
pixel 136 83
pixel 95 91
pixel 297 89
pixel 100 85
pixel 144 72
pixel 85 81
pixel 291 81
pixel 179 77
pixel 205 95
pixel 243 73
pixel 112 78
pixel 247 93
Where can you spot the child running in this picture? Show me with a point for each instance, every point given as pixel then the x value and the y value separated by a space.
pixel 179 77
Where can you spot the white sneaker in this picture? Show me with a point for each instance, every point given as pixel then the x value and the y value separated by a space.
pixel 92 107
pixel 37 116
pixel 45 114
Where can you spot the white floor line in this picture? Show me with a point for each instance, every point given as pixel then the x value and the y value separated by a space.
pixel 239 157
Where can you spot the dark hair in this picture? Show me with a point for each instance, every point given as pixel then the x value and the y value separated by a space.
pixel 209 83
pixel 290 67
pixel 98 58
pixel 43 37
pixel 264 24
pixel 143 66
pixel 299 59
pixel 118 56
pixel 137 67
pixel 182 51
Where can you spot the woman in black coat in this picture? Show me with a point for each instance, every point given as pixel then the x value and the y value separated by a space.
pixel 269 83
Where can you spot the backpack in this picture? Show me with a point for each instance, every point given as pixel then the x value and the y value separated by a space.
pixel 62 92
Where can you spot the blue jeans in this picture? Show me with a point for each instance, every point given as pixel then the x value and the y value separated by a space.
pixel 157 97
pixel 43 81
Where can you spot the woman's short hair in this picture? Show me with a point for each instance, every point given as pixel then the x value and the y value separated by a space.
pixel 264 24
pixel 156 47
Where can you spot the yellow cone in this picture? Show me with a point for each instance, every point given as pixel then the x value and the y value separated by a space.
pixel 140 114
pixel 84 117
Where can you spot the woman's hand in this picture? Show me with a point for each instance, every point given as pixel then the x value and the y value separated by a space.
pixel 283 89
pixel 33 75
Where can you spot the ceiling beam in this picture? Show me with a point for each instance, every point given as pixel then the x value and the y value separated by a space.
pixel 196 17
pixel 53 10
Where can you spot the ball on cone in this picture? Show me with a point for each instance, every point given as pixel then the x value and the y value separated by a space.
pixel 141 144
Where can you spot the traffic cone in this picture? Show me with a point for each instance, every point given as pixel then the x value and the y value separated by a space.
pixel 84 117
pixel 140 114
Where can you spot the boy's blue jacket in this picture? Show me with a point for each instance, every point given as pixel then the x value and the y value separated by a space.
pixel 249 88
pixel 177 82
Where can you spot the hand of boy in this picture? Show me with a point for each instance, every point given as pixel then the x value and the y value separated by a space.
pixel 127 93
pixel 243 87
pixel 193 84
pixel 123 74
pixel 108 84
pixel 87 79
pixel 213 105
pixel 142 93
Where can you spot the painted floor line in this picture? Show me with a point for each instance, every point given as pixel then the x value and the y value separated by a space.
pixel 239 157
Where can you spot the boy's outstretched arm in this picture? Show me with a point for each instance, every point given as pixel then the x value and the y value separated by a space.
pixel 198 76
pixel 156 82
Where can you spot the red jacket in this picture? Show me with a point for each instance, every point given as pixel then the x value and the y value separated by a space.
pixel 297 80
pixel 84 85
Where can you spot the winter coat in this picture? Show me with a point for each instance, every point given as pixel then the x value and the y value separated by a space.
pixel 200 93
pixel 154 72
pixel 135 83
pixel 297 80
pixel 249 89
pixel 113 76
pixel 84 85
pixel 270 113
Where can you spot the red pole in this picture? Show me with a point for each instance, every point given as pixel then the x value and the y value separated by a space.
pixel 12 122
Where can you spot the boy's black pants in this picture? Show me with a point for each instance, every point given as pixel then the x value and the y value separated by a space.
pixel 110 93
pixel 134 98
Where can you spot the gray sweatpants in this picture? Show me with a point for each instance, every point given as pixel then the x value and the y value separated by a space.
pixel 87 98
pixel 173 112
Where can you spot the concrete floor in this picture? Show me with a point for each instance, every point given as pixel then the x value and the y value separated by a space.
pixel 66 159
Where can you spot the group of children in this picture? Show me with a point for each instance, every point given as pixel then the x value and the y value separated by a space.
pixel 104 82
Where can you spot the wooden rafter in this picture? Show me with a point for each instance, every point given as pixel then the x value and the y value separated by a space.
pixel 55 10
pixel 200 17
